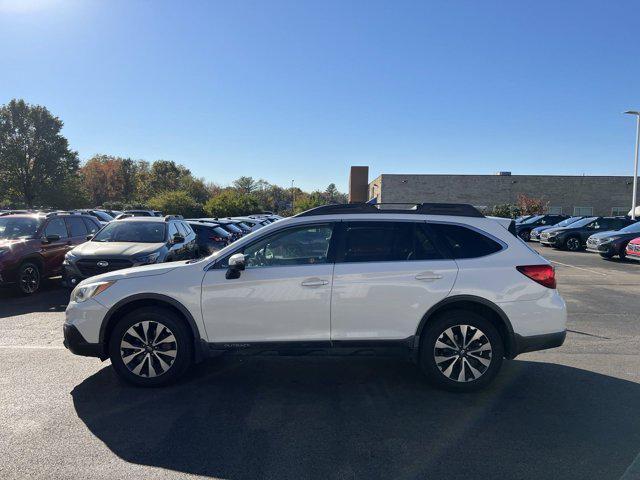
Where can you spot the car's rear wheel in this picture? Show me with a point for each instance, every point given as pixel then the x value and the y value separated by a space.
pixel 28 278
pixel 573 244
pixel 150 347
pixel 461 351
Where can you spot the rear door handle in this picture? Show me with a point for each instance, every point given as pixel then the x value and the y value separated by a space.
pixel 314 282
pixel 428 276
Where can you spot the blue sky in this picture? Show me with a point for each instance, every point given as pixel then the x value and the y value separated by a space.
pixel 286 90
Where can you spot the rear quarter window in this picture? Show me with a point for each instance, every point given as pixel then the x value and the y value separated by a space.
pixel 463 242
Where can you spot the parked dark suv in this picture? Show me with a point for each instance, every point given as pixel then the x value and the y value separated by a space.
pixel 613 242
pixel 574 237
pixel 523 229
pixel 32 246
pixel 130 242
pixel 211 237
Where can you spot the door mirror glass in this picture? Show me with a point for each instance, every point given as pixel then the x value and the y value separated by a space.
pixel 89 237
pixel 177 238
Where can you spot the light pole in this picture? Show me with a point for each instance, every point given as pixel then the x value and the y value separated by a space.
pixel 635 164
pixel 293 198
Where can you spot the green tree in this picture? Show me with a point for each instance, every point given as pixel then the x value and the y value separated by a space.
pixel 231 203
pixel 176 202
pixel 35 159
pixel 245 184
pixel 166 175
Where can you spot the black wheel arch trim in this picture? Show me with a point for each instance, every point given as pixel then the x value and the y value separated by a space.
pixel 198 342
pixel 510 347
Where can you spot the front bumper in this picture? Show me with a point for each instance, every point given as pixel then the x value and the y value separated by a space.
pixel 551 241
pixel 605 248
pixel 76 343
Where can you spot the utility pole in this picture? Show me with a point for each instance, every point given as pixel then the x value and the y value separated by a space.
pixel 635 164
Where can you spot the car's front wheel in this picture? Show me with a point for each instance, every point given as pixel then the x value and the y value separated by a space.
pixel 150 347
pixel 525 235
pixel 461 351
pixel 573 244
pixel 28 278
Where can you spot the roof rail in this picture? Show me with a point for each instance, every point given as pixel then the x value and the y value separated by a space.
pixel 173 217
pixel 63 212
pixel 453 209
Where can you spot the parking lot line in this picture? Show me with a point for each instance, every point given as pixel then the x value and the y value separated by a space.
pixel 579 268
pixel 33 347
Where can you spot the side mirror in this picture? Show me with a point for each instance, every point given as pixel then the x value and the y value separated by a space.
pixel 90 236
pixel 236 265
pixel 51 238
pixel 177 238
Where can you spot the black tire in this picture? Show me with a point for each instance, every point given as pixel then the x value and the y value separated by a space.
pixel 573 244
pixel 525 235
pixel 436 371
pixel 150 358
pixel 606 256
pixel 623 253
pixel 28 279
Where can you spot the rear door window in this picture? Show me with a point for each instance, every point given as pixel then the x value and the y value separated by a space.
pixel 76 226
pixel 464 242
pixel 387 242
pixel 92 227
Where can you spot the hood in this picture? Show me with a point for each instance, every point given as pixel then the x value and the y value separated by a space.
pixel 608 233
pixel 135 272
pixel 8 243
pixel 115 249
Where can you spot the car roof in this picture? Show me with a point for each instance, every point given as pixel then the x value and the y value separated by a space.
pixel 146 219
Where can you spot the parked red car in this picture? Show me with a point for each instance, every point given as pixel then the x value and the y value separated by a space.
pixel 633 249
pixel 32 246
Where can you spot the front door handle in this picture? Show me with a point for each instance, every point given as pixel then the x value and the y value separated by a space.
pixel 428 276
pixel 314 282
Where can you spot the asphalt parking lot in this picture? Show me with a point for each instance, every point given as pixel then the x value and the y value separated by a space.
pixel 569 413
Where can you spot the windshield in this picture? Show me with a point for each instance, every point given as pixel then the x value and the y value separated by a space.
pixel 583 222
pixel 568 221
pixel 12 228
pixel 136 232
pixel 532 219
pixel 633 228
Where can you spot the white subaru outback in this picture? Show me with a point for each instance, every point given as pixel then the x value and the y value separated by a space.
pixel 441 284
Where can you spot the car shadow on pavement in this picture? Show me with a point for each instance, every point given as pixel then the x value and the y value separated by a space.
pixel 247 418
pixel 50 298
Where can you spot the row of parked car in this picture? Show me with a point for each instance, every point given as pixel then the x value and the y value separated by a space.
pixel 608 236
pixel 79 244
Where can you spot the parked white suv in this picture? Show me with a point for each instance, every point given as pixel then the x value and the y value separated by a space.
pixel 440 284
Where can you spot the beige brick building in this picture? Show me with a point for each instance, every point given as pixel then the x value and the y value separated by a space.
pixel 571 195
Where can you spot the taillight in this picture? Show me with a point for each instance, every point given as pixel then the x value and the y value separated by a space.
pixel 545 275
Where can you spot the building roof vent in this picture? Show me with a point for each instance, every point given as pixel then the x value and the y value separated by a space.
pixel 504 174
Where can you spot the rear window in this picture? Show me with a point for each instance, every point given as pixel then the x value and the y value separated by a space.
pixel 464 242
pixel 386 242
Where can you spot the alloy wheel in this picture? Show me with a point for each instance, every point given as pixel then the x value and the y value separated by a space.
pixel 573 244
pixel 462 353
pixel 29 279
pixel 148 349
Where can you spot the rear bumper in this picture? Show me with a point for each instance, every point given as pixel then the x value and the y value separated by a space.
pixel 538 342
pixel 75 343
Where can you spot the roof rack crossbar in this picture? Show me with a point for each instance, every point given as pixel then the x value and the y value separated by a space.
pixel 453 209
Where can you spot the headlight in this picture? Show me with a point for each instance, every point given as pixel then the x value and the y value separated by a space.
pixel 607 239
pixel 552 234
pixel 145 259
pixel 85 292
pixel 69 257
